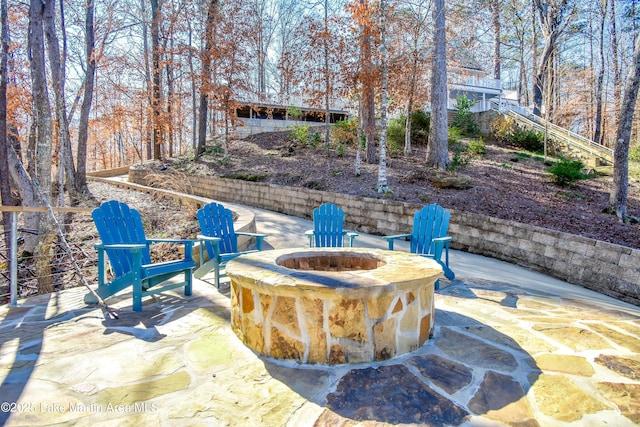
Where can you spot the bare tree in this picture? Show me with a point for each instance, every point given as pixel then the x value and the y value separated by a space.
pixel 205 87
pixel 43 137
pixel 620 187
pixel 437 148
pixel 553 21
pixel 156 72
pixel 57 65
pixel 615 65
pixel 383 185
pixel 598 132
pixel 5 185
pixel 497 30
pixel 85 109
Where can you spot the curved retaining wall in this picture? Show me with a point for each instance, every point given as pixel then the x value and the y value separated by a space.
pixel 607 268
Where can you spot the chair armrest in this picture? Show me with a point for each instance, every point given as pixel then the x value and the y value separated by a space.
pixel 130 246
pixel 215 242
pixel 390 239
pixel 309 234
pixel 351 235
pixel 182 241
pixel 209 238
pixel 443 242
pixel 259 238
pixel 188 245
pixel 243 233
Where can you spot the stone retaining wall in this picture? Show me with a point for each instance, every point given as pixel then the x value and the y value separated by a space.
pixel 603 267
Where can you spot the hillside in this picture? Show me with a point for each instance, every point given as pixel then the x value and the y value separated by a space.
pixel 506 183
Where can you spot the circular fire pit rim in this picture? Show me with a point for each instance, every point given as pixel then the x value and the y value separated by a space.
pixel 261 268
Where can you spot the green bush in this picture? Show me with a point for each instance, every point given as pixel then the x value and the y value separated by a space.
pixel 565 172
pixel 476 147
pixel 345 132
pixel 464 120
pixel 634 153
pixel 502 127
pixel 299 134
pixel 528 139
pixel 395 134
pixel 459 159
pixel 396 130
pixel 294 113
pixel 454 136
pixel 420 122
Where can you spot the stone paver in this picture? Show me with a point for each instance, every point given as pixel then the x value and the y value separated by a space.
pixel 511 348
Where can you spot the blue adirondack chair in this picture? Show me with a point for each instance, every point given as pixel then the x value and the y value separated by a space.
pixel 219 239
pixel 128 250
pixel 328 221
pixel 429 236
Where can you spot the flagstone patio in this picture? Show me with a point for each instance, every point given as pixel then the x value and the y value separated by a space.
pixel 510 347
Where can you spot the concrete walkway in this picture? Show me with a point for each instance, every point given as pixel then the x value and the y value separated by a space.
pixel 511 347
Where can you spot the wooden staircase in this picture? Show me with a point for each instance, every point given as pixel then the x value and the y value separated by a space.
pixel 569 143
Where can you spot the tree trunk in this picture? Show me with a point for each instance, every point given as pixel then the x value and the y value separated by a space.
pixel 437 148
pixel 616 67
pixel 87 99
pixel 383 185
pixel 597 133
pixel 495 10
pixel 147 78
pixel 194 98
pixel 534 50
pixel 156 92
pixel 327 80
pixel 5 185
pixel 368 96
pixel 412 89
pixel 620 186
pixel 205 87
pixel 551 14
pixel 57 81
pixel 170 98
pixel 44 143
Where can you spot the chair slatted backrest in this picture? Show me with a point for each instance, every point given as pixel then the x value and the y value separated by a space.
pixel 217 221
pixel 117 223
pixel 430 222
pixel 328 220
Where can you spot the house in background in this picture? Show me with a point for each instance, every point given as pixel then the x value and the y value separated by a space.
pixel 467 78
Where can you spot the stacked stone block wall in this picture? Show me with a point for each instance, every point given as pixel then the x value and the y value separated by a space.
pixel 603 267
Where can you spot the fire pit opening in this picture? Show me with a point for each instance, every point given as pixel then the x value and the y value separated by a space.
pixel 330 261
pixel 332 305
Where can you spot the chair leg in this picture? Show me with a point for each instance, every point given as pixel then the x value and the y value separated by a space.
pixel 188 279
pixel 137 296
pixel 217 274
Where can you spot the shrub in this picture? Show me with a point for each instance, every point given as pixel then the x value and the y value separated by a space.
pixel 420 123
pixel 459 159
pixel 476 147
pixel 345 132
pixel 565 172
pixel 454 136
pixel 396 134
pixel 396 130
pixel 299 134
pixel 528 139
pixel 634 153
pixel 294 113
pixel 464 120
pixel 502 127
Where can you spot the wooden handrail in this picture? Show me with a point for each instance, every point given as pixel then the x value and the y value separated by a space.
pixel 43 209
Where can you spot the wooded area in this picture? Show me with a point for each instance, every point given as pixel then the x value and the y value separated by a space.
pixel 89 85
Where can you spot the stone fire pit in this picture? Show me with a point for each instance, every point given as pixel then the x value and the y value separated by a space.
pixel 332 305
